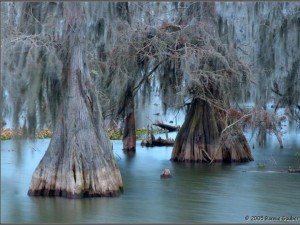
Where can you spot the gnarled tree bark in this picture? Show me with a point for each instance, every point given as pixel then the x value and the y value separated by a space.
pixel 79 160
pixel 198 139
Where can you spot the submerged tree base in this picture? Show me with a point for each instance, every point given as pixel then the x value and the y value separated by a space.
pixel 61 193
pixel 76 193
pixel 200 138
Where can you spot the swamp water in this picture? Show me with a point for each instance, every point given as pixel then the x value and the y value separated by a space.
pixel 220 193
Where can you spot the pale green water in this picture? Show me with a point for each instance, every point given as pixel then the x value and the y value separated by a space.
pixel 195 194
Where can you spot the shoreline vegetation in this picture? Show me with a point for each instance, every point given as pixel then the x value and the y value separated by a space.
pixel 113 134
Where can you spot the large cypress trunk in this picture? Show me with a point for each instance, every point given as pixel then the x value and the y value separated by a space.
pixel 199 139
pixel 79 160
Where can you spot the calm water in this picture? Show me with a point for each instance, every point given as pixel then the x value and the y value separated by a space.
pixel 195 194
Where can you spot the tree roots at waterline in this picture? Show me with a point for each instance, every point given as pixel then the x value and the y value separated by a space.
pixel 199 139
pixel 79 161
pixel 75 167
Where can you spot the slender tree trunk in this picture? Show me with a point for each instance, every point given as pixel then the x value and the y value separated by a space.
pixel 129 134
pixel 79 160
pixel 198 140
pixel 262 136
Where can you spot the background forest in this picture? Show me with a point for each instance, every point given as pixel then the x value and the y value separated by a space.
pixel 143 48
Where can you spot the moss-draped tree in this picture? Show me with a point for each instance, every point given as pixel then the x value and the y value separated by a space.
pixel 267 38
pixel 79 161
pixel 212 71
pixel 185 53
